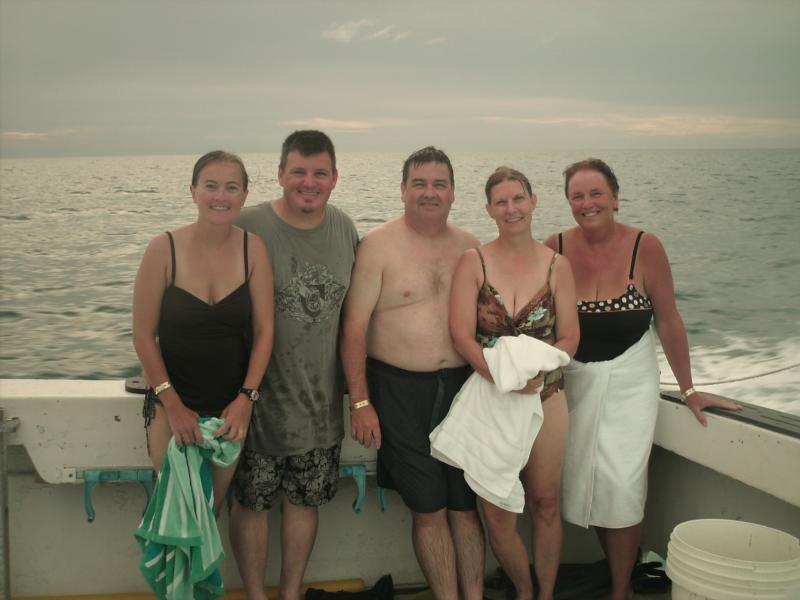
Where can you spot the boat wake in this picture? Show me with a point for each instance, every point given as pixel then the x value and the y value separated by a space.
pixel 756 371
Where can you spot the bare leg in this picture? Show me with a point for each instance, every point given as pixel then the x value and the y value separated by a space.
pixel 435 553
pixel 298 532
pixel 541 478
pixel 508 547
pixel 248 535
pixel 467 534
pixel 221 478
pixel 158 437
pixel 621 547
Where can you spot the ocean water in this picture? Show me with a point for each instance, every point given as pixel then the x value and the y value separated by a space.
pixel 72 232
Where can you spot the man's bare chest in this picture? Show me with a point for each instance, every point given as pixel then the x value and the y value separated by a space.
pixel 417 279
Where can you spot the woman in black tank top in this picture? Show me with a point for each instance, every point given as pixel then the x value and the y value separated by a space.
pixel 203 318
pixel 622 280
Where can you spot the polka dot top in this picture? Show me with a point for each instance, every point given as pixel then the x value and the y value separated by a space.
pixel 609 327
pixel 630 300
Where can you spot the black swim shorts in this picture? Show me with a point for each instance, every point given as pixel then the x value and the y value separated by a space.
pixel 308 479
pixel 410 405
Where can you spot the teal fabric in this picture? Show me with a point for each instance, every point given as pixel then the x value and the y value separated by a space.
pixel 181 548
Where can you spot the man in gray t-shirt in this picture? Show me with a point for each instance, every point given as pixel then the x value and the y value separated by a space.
pixel 296 431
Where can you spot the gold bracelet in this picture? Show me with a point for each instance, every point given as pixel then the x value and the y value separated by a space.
pixel 161 387
pixel 687 393
pixel 359 404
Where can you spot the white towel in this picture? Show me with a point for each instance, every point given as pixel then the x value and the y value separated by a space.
pixel 612 416
pixel 489 431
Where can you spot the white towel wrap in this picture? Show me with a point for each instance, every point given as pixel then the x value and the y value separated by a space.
pixel 489 431
pixel 612 417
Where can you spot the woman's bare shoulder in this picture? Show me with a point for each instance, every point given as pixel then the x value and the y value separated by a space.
pixel 159 245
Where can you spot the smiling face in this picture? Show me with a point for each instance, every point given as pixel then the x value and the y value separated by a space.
pixel 307 182
pixel 428 192
pixel 511 206
pixel 219 193
pixel 591 199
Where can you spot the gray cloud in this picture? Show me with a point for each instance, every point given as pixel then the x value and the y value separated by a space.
pixel 94 77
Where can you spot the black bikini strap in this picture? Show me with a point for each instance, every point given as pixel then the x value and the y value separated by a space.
pixel 172 251
pixel 560 242
pixel 483 264
pixel 633 256
pixel 246 267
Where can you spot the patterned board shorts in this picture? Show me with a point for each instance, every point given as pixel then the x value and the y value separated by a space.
pixel 308 479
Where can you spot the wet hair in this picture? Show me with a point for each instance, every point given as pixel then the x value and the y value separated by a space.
pixel 506 174
pixel 307 142
pixel 591 164
pixel 219 156
pixel 424 156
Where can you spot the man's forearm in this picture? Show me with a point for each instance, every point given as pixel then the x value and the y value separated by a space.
pixel 354 363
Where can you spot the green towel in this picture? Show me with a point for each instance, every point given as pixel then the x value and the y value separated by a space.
pixel 181 549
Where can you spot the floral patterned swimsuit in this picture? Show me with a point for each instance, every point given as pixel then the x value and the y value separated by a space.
pixel 536 319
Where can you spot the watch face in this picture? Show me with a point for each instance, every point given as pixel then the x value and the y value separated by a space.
pixel 252 394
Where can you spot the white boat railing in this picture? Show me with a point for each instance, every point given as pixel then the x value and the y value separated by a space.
pixel 64 433
pixel 91 432
pixel 6 427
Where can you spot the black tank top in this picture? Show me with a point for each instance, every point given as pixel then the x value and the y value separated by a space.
pixel 609 327
pixel 206 347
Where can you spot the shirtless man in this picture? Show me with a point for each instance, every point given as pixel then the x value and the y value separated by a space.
pixel 403 371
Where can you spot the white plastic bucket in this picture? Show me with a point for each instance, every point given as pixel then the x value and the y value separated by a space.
pixel 717 559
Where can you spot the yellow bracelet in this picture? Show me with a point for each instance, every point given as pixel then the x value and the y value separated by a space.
pixel 359 404
pixel 161 387
pixel 687 393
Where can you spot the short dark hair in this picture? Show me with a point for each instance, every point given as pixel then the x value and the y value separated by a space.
pixel 426 155
pixel 307 142
pixel 219 156
pixel 506 174
pixel 591 164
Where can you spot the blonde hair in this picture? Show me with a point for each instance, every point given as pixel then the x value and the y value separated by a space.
pixel 504 173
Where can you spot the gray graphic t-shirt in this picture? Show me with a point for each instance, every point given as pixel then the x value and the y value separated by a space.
pixel 303 389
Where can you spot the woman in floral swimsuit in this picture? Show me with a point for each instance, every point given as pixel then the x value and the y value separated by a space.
pixel 514 285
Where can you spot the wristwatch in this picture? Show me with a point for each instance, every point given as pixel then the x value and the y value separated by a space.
pixel 250 393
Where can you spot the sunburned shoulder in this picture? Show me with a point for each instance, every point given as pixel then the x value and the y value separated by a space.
pixel 650 240
pixel 568 235
pixel 379 243
pixel 396 231
pixel 384 233
pixel 650 248
pixel 256 244
pixel 159 244
pixel 552 241
pixel 463 237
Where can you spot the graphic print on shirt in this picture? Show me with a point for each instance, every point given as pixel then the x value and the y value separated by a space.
pixel 311 295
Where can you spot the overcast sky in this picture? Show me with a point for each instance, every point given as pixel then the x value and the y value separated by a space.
pixel 100 77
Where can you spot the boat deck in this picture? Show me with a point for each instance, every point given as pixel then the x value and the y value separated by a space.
pixel 498 595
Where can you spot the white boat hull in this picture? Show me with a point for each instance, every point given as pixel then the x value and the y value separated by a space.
pixel 731 470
